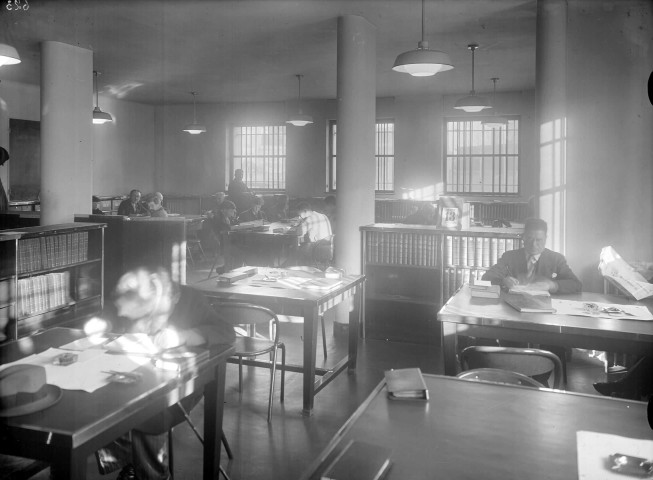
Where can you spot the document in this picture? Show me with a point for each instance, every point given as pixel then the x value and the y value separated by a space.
pixel 617 271
pixel 595 450
pixel 601 310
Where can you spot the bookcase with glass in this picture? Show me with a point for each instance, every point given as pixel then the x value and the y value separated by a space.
pixel 50 276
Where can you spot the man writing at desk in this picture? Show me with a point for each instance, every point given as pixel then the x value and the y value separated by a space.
pixel 534 265
pixel 315 230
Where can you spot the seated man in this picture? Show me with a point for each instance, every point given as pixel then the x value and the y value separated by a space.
pixel 132 206
pixel 534 265
pixel 96 206
pixel 254 213
pixel 155 205
pixel 148 301
pixel 315 230
pixel 239 192
pixel 222 224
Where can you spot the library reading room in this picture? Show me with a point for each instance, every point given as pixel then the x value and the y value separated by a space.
pixel 326 239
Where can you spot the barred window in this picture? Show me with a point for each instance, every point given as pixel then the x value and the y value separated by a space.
pixel 384 152
pixel 261 153
pixel 481 159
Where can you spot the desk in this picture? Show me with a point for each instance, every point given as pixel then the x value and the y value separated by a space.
pixel 66 433
pixel 276 244
pixel 466 316
pixel 483 430
pixel 309 304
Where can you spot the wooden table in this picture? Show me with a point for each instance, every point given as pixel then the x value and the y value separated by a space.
pixel 470 430
pixel 487 318
pixel 66 433
pixel 309 304
pixel 276 245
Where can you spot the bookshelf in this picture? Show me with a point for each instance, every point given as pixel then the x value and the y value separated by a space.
pixel 50 276
pixel 412 270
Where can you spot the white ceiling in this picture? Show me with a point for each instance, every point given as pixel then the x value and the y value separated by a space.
pixel 156 51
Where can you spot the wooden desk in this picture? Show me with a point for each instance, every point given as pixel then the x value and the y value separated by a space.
pixel 66 433
pixel 495 319
pixel 275 244
pixel 471 430
pixel 309 304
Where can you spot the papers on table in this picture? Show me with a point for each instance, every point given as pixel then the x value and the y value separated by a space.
pixel 320 284
pixel 87 373
pixel 594 450
pixel 575 307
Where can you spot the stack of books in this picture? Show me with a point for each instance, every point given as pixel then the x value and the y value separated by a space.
pixel 484 289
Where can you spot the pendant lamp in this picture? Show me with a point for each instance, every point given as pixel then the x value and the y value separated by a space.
pixel 99 117
pixel 8 55
pixel 496 121
pixel 195 128
pixel 422 62
pixel 472 102
pixel 299 119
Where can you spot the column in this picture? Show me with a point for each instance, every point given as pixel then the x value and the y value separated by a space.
pixel 66 132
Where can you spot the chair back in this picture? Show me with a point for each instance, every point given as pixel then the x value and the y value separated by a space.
pixel 527 361
pixel 497 375
pixel 249 315
pixel 323 252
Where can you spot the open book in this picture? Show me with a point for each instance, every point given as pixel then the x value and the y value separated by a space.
pixel 526 303
pixel 618 272
pixel 318 283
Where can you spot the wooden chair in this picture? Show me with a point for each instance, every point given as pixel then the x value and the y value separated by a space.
pixel 253 344
pixel 497 375
pixel 531 362
pixel 193 242
pixel 308 269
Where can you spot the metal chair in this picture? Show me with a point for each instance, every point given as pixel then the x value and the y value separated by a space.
pixel 254 344
pixel 531 362
pixel 313 270
pixel 497 375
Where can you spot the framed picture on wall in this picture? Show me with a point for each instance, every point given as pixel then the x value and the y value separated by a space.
pixel 450 217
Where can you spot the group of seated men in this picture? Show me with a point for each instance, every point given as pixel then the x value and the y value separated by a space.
pixel 137 206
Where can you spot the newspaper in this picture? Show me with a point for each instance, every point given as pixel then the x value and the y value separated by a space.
pixel 617 271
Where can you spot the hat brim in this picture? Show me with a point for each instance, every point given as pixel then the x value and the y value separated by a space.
pixel 52 396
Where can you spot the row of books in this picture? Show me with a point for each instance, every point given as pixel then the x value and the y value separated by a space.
pixel 42 293
pixel 395 210
pixel 52 251
pixel 476 251
pixel 453 278
pixel 402 248
pixel 486 213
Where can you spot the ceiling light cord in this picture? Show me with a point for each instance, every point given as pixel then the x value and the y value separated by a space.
pixel 473 47
pixel 299 92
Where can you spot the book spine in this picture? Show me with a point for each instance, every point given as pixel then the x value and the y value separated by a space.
pixel 486 251
pixel 494 249
pixel 449 250
pixel 478 261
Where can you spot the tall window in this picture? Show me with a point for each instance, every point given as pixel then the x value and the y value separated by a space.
pixel 480 159
pixel 261 153
pixel 384 152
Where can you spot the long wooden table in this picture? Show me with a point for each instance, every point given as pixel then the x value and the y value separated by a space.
pixel 470 430
pixel 66 433
pixel 464 315
pixel 309 304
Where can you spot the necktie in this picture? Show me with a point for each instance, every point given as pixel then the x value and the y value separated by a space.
pixel 530 267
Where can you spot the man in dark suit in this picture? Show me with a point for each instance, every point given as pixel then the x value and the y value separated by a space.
pixel 534 265
pixel 132 205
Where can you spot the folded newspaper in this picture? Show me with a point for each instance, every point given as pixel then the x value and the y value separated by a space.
pixel 624 276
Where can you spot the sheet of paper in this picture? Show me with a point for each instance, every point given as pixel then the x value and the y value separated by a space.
pixel 87 373
pixel 575 307
pixel 594 450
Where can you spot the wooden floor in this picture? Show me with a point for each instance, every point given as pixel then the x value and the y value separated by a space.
pixel 285 447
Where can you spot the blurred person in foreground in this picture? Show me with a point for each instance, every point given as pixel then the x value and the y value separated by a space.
pixel 148 301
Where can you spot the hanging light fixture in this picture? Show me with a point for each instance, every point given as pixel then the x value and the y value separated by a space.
pixel 496 121
pixel 8 55
pixel 99 117
pixel 422 62
pixel 195 128
pixel 472 102
pixel 299 119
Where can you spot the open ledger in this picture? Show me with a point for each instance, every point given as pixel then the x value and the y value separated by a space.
pixel 359 461
pixel 406 383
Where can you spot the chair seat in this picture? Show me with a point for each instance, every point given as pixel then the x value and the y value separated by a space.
pixel 248 346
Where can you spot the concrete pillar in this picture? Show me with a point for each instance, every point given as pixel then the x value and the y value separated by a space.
pixel 596 147
pixel 356 126
pixel 66 132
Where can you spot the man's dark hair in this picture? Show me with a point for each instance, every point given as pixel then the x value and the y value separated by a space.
pixel 535 224
pixel 227 205
pixel 303 205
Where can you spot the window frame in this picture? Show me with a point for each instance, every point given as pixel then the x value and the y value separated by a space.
pixel 466 187
pixel 248 178
pixel 331 167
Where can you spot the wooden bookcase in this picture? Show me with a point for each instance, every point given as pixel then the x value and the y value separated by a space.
pixel 50 276
pixel 412 270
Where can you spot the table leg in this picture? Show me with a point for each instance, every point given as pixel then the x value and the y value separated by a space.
pixel 354 327
pixel 213 412
pixel 69 465
pixel 311 319
pixel 449 348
